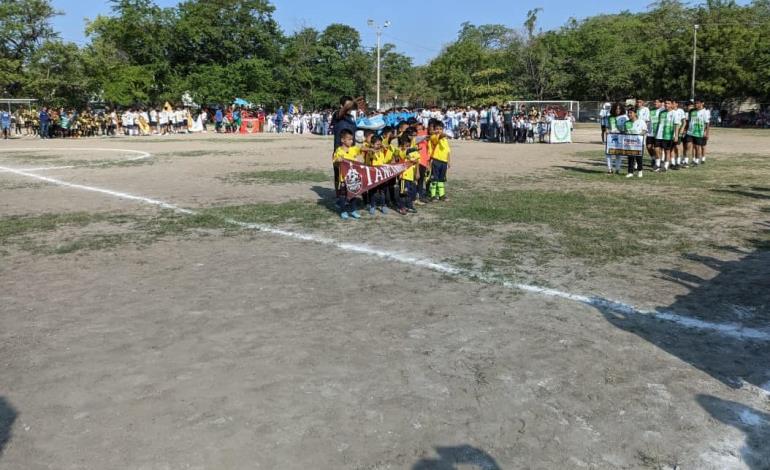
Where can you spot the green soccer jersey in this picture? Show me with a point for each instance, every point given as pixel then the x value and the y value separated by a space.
pixel 667 122
pixel 697 123
pixel 654 119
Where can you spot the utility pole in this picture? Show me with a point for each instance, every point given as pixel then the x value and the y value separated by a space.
pixel 694 59
pixel 378 29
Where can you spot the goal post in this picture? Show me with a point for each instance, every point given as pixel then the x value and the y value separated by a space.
pixel 562 107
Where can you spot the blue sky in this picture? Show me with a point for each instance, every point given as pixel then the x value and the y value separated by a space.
pixel 420 32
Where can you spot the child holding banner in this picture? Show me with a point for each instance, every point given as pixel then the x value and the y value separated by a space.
pixel 635 126
pixel 377 156
pixel 406 153
pixel 346 151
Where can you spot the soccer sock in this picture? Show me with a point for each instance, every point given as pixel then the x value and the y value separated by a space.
pixel 609 163
pixel 433 188
pixel 441 189
pixel 665 165
pixel 657 162
pixel 686 160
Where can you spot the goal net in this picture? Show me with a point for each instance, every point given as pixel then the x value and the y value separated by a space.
pixel 561 108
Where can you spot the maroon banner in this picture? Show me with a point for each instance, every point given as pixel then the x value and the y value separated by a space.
pixel 360 178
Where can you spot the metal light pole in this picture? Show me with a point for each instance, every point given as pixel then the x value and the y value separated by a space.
pixel 378 29
pixel 694 58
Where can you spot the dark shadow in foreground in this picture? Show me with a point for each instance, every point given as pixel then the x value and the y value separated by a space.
pixel 327 197
pixel 754 423
pixel 450 458
pixel 7 417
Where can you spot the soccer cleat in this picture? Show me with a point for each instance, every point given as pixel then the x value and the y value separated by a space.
pixel 402 211
pixel 371 211
pixel 384 209
pixel 630 175
pixel 355 215
pixel 412 210
pixel 344 215
pixel 639 175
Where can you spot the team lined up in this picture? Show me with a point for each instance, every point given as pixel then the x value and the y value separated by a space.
pixel 424 182
pixel 666 126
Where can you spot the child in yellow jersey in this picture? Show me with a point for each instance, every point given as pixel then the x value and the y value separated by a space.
pixel 389 145
pixel 406 153
pixel 378 156
pixel 439 154
pixel 346 151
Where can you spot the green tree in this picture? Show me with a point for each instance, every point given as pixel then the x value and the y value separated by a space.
pixel 25 25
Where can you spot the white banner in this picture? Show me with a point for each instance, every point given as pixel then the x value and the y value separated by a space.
pixel 561 132
pixel 630 145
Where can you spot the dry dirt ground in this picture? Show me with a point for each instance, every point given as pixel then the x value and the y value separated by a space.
pixel 135 338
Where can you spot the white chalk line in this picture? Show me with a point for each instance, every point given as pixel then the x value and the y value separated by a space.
pixel 141 156
pixel 732 330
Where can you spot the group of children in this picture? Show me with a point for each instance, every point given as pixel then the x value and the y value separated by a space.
pixel 427 148
pixel 667 127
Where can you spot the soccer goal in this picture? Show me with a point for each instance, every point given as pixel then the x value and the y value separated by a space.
pixel 560 107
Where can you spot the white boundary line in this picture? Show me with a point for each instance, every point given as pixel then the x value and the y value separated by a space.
pixel 732 330
pixel 142 156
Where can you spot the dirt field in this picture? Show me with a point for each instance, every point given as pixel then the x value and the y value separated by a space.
pixel 194 302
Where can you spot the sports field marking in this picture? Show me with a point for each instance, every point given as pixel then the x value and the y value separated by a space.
pixel 732 330
pixel 141 156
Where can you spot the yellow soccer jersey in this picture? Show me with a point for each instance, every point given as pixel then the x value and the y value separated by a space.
pixel 439 149
pixel 378 158
pixel 405 156
pixel 341 153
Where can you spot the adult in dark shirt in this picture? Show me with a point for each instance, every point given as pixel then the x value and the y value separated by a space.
pixel 342 119
pixel 45 121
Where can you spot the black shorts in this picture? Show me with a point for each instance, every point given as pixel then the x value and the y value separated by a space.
pixel 664 144
pixel 699 141
pixel 651 141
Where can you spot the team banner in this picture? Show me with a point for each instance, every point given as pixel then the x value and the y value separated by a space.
pixel 561 132
pixel 629 145
pixel 360 178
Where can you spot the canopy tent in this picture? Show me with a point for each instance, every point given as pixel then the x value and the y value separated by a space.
pixel 241 102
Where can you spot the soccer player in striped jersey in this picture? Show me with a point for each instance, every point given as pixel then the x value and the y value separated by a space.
pixel 667 136
pixel 697 132
pixel 652 130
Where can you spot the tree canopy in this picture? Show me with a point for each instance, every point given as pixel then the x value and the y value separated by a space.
pixel 216 50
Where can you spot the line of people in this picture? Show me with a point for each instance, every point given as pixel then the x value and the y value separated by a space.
pixel 674 137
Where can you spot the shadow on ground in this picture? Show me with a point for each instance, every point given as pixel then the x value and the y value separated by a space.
pixel 755 425
pixel 7 417
pixel 739 294
pixel 327 197
pixel 454 458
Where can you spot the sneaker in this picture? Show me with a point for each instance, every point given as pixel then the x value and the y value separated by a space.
pixel 344 215
pixel 402 211
pixel 384 209
pixel 639 175
pixel 630 175
pixel 355 215
pixel 443 199
pixel 420 202
pixel 412 210
pixel 371 211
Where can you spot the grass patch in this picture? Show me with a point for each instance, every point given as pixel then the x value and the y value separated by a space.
pixel 16 226
pixel 306 214
pixel 589 225
pixel 277 177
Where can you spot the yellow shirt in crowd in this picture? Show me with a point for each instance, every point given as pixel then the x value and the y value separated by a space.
pixel 407 156
pixel 342 153
pixel 439 149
